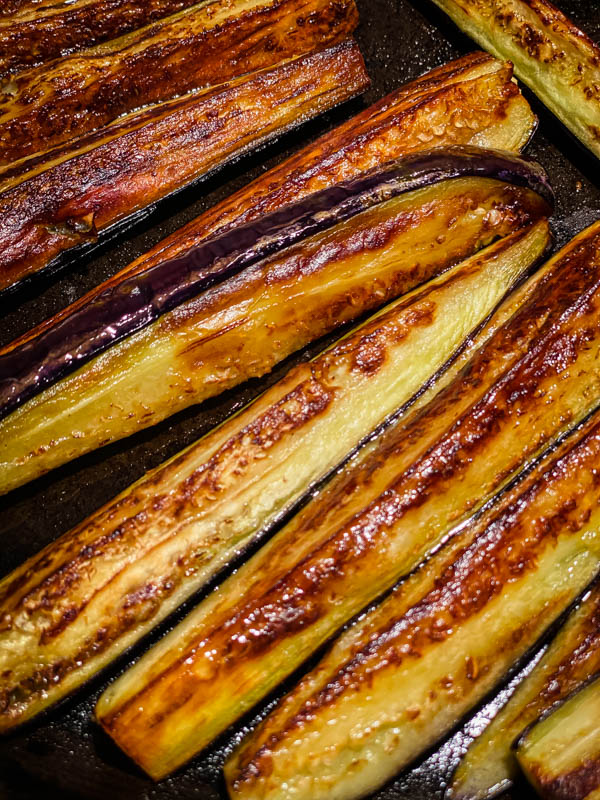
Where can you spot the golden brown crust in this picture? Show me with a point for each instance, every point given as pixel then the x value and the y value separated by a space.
pixel 35 33
pixel 108 175
pixel 71 96
pixel 398 124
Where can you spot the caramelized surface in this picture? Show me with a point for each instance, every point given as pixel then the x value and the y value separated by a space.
pixel 406 673
pixel 551 55
pixel 199 47
pixel 489 766
pixel 561 754
pixel 244 326
pixel 71 609
pixel 372 525
pixel 33 32
pixel 52 203
pixel 469 101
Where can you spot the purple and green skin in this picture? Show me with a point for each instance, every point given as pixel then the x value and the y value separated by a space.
pixel 140 300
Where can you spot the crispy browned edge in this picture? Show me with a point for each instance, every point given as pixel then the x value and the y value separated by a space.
pixel 48 104
pixel 68 204
pixel 351 148
pixel 37 35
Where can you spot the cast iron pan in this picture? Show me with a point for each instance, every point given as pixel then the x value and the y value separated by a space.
pixel 64 754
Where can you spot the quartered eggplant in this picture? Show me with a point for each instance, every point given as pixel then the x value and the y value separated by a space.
pixel 206 44
pixel 470 101
pixel 232 307
pixel 406 673
pixel 73 608
pixel 372 524
pixel 551 55
pixel 560 754
pixel 48 206
pixel 489 765
pixel 33 32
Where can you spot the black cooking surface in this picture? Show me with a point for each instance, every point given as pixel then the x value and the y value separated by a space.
pixel 65 754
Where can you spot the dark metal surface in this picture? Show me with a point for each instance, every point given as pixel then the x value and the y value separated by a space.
pixel 65 754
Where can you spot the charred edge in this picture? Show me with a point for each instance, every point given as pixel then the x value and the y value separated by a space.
pixel 250 41
pixel 303 404
pixel 501 552
pixel 575 785
pixel 295 176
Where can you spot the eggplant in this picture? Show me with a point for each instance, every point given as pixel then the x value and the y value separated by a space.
pixel 560 754
pixel 32 33
pixel 73 608
pixel 372 524
pixel 489 766
pixel 102 181
pixel 472 100
pixel 405 674
pixel 557 60
pixel 206 44
pixel 241 302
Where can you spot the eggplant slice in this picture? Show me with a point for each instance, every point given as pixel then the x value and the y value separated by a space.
pixel 102 182
pixel 550 53
pixel 489 766
pixel 139 558
pixel 403 676
pixel 470 101
pixel 560 754
pixel 372 525
pixel 335 255
pixel 204 45
pixel 31 32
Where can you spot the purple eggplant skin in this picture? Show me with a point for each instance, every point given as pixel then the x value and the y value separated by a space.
pixel 141 299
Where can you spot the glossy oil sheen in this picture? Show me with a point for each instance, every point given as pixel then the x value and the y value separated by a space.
pixel 489 765
pixel 372 525
pixel 242 327
pixel 470 101
pixel 403 676
pixel 561 754
pixel 31 33
pixel 551 55
pixel 53 203
pixel 198 47
pixel 160 541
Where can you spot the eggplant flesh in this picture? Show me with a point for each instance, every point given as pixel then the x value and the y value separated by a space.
pixel 243 326
pixel 49 205
pixel 140 300
pixel 551 55
pixel 38 32
pixel 470 101
pixel 206 44
pixel 372 524
pixel 399 679
pixel 560 754
pixel 489 766
pixel 141 556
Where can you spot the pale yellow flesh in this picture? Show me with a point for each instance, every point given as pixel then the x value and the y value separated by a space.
pixel 565 743
pixel 555 59
pixel 240 329
pixel 234 482
pixel 489 765
pixel 186 731
pixel 391 686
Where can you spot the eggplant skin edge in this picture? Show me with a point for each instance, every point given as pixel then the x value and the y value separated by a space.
pixel 194 49
pixel 30 36
pixel 88 192
pixel 476 85
pixel 489 767
pixel 582 780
